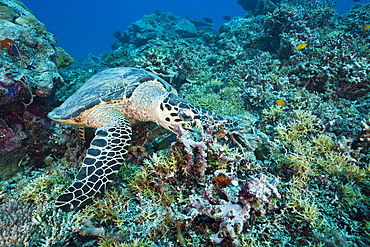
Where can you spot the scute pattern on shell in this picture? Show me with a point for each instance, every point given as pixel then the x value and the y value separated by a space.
pixel 108 85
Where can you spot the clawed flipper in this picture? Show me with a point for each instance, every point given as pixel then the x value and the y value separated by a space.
pixel 100 166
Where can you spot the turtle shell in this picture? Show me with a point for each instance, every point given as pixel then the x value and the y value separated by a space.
pixel 108 85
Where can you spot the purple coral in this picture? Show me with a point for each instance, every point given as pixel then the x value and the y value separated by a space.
pixel 9 140
pixel 189 144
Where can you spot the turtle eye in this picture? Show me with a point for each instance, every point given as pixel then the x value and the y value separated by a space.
pixel 185 115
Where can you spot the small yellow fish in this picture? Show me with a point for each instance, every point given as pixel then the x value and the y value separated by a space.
pixel 280 102
pixel 366 27
pixel 301 46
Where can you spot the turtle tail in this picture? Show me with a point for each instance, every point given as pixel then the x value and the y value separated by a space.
pixel 100 166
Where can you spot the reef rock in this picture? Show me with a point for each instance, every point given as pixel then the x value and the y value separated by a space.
pixel 157 25
pixel 29 62
pixel 28 54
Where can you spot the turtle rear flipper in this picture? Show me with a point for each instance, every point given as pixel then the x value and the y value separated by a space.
pixel 101 164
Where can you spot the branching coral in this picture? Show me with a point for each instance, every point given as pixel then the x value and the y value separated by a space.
pixel 318 164
pixel 331 62
pixel 54 227
pixel 25 224
pixel 307 150
pixel 16 223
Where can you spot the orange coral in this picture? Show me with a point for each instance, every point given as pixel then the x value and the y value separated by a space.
pixel 6 43
pixel 222 180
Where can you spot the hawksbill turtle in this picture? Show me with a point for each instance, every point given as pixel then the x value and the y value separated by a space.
pixel 112 101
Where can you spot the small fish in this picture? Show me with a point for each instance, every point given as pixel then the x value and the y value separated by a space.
pixel 280 102
pixel 208 20
pixel 301 46
pixel 227 18
pixel 366 27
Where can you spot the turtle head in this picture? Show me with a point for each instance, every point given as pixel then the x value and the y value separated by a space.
pixel 175 111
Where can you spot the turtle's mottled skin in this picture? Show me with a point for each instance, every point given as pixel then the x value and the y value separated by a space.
pixel 111 101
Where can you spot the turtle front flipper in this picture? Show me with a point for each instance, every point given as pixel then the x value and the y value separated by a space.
pixel 101 164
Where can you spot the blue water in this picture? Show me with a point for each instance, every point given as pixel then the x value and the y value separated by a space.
pixel 86 26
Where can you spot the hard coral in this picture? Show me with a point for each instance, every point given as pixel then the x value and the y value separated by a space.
pixel 315 143
pixel 242 199
pixel 28 71
pixel 259 6
pixel 16 224
pixel 331 62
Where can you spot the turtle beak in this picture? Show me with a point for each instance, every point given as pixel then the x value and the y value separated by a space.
pixel 61 118
pixel 58 117
pixel 54 116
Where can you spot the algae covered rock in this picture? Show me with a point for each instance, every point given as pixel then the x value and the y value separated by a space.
pixel 157 25
pixel 63 59
pixel 29 72
pixel 6 12
pixel 28 55
pixel 186 29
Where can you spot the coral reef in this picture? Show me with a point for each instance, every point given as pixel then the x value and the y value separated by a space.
pixel 166 195
pixel 29 56
pixel 298 174
pixel 25 224
pixel 155 26
pixel 242 198
pixel 30 61
pixel 315 142
pixel 331 62
pixel 259 6
pixel 9 140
